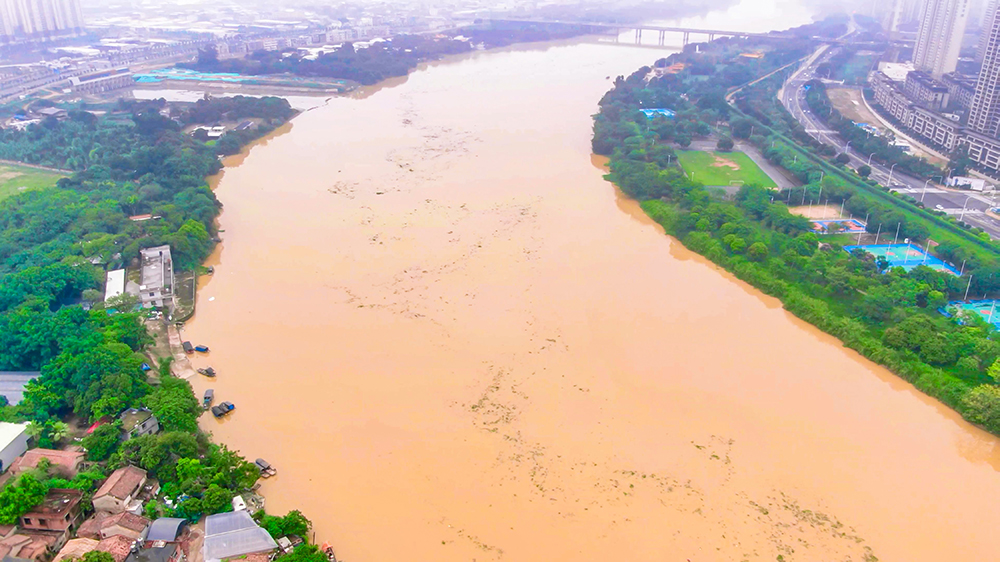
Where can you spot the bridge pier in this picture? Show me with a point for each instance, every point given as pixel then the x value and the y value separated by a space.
pixel 663 38
pixel 638 36
pixel 618 33
pixel 711 37
pixel 687 38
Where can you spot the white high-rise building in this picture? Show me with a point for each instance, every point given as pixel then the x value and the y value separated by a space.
pixel 942 23
pixel 984 113
pixel 39 19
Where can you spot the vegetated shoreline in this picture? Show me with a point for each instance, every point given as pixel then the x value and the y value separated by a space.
pixel 886 315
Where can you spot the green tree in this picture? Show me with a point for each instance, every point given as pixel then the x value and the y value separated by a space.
pixel 102 442
pixel 97 556
pixel 174 404
pixel 864 170
pixel 19 497
pixel 982 406
pixel 725 143
pixel 216 500
pixel 757 251
pixel 305 553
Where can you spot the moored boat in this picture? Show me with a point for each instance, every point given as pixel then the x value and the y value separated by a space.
pixel 209 396
pixel 208 372
pixel 266 470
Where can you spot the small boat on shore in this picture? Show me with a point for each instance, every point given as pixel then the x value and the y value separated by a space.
pixel 209 396
pixel 208 372
pixel 201 348
pixel 266 470
pixel 223 409
pixel 188 348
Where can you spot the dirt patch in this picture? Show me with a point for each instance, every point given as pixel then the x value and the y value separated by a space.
pixel 817 211
pixel 5 176
pixel 721 162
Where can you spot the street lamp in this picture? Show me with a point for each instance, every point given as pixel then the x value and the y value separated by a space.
pixel 847 146
pixel 888 182
pixel 925 186
pixel 870 158
pixel 962 216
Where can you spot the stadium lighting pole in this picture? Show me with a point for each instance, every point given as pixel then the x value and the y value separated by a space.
pixel 926 249
pixel 992 308
pixel 879 233
pixel 863 229
pixel 960 273
pixel 842 208
pixel 967 288
pixel 896 238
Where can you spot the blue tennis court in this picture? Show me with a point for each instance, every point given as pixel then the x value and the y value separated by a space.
pixel 988 310
pixel 906 256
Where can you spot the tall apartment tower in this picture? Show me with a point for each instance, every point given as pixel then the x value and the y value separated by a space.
pixel 942 23
pixel 39 19
pixel 984 113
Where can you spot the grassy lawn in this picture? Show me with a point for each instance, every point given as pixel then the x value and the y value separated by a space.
pixel 15 179
pixel 722 168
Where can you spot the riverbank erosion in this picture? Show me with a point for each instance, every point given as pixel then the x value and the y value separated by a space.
pixel 456 341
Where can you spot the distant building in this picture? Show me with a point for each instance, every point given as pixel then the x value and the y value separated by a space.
pixel 39 20
pixel 100 82
pixel 138 421
pixel 12 384
pixel 156 285
pixel 942 25
pixel 118 491
pixel 13 443
pixel 115 284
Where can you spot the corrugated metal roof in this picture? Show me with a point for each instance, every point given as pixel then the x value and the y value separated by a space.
pixel 234 534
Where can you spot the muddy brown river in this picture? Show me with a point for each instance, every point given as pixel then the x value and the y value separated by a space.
pixel 457 342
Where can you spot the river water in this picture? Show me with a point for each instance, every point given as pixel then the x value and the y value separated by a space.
pixel 456 341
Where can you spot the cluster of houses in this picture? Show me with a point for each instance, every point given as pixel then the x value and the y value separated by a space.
pixel 59 528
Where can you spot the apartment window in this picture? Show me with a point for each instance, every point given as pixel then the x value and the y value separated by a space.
pixel 27 521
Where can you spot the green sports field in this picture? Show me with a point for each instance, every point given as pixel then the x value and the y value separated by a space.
pixel 722 168
pixel 15 179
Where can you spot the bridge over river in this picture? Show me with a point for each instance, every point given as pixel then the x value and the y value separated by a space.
pixel 618 28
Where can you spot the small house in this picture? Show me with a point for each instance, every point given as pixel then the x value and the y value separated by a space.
pixel 120 489
pixel 138 421
pixel 13 443
pixel 62 463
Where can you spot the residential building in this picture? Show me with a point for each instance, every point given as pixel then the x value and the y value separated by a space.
pixel 983 150
pixel 156 284
pixel 30 546
pixel 117 546
pixel 12 384
pixel 59 511
pixel 103 525
pixel 13 443
pixel 118 491
pixel 138 421
pixel 985 26
pixel 63 463
pixel 935 127
pixel 74 549
pixel 939 39
pixel 984 113
pixel 926 91
pixel 961 89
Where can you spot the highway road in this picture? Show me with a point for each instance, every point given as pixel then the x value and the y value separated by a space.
pixel 970 207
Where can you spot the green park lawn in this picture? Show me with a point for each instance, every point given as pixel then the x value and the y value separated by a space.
pixel 722 168
pixel 15 179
